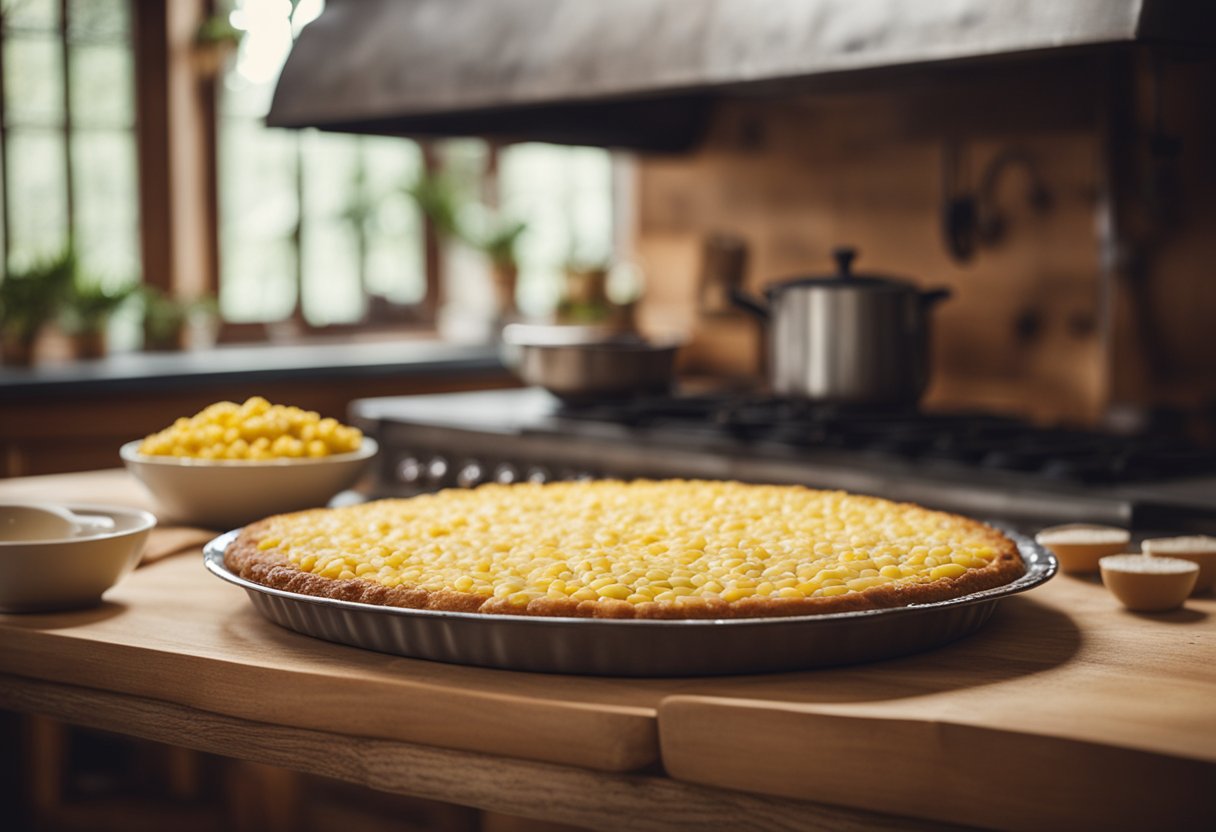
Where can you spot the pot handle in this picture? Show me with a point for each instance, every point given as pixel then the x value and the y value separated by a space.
pixel 932 297
pixel 746 302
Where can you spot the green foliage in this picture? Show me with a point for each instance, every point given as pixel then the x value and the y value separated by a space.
pixel 164 316
pixel 88 305
pixel 441 198
pixel 499 244
pixel 33 295
pixel 217 29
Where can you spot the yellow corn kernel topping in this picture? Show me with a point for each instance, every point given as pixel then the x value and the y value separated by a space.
pixel 640 542
pixel 255 429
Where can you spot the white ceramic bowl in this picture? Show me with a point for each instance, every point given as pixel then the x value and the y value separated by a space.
pixel 1079 546
pixel 1198 549
pixel 71 572
pixel 224 494
pixel 1149 584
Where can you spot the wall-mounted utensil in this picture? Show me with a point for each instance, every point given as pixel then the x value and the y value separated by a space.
pixel 723 270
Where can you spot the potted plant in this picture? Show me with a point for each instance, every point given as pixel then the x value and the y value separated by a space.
pixel 584 297
pixel 88 307
pixel 499 246
pixel 438 198
pixel 214 42
pixel 29 298
pixel 166 319
pixel 468 222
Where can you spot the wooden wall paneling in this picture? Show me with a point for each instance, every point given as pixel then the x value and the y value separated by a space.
pixel 863 166
pixel 1163 193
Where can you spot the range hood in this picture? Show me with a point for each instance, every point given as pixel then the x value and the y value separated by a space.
pixel 644 73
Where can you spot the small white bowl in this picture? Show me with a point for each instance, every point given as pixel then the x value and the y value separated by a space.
pixel 1198 549
pixel 71 572
pixel 1079 546
pixel 1149 584
pixel 224 494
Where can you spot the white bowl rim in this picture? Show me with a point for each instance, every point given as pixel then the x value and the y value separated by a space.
pixel 130 453
pixel 147 521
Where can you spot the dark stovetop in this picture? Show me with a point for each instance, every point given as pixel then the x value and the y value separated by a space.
pixel 983 464
pixel 984 440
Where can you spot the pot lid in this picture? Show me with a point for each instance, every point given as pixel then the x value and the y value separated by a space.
pixel 846 278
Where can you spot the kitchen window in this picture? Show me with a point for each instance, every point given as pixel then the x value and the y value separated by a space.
pixel 313 226
pixel 564 196
pixel 67 142
pixel 567 197
pixel 318 226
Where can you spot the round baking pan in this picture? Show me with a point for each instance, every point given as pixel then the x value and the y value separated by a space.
pixel 634 647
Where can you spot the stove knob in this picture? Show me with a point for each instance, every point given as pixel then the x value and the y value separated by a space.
pixel 506 474
pixel 436 470
pixel 538 475
pixel 409 470
pixel 469 475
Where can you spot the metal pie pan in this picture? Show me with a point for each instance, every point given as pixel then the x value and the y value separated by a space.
pixel 634 647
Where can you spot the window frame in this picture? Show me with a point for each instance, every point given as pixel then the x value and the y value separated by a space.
pixel 176 131
pixel 177 109
pixel 417 316
pixel 66 128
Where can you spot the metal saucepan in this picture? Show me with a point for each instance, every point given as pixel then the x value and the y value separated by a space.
pixel 581 363
pixel 847 338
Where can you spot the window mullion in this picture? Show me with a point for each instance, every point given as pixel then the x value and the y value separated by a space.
pixel 65 63
pixel 4 203
pixel 297 234
pixel 362 198
pixel 432 250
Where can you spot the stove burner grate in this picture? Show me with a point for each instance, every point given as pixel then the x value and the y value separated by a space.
pixel 980 440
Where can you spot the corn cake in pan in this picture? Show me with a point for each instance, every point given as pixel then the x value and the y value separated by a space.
pixel 672 549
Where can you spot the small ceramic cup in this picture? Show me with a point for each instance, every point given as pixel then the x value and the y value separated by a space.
pixel 1149 584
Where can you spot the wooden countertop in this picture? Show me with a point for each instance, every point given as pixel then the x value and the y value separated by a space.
pixel 1064 711
pixel 1087 716
pixel 171 631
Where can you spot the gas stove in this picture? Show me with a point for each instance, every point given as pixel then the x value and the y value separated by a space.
pixel 984 440
pixel 983 464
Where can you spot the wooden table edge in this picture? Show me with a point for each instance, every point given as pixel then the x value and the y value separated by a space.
pixel 827 710
pixel 543 791
pixel 1054 782
pixel 628 734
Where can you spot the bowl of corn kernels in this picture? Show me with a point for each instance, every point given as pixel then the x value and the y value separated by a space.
pixel 233 463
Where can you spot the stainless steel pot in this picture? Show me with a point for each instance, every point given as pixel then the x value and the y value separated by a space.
pixel 581 363
pixel 847 338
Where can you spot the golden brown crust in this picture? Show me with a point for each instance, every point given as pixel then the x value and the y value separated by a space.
pixel 270 568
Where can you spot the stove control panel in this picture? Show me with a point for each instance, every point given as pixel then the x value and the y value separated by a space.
pixel 416 473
